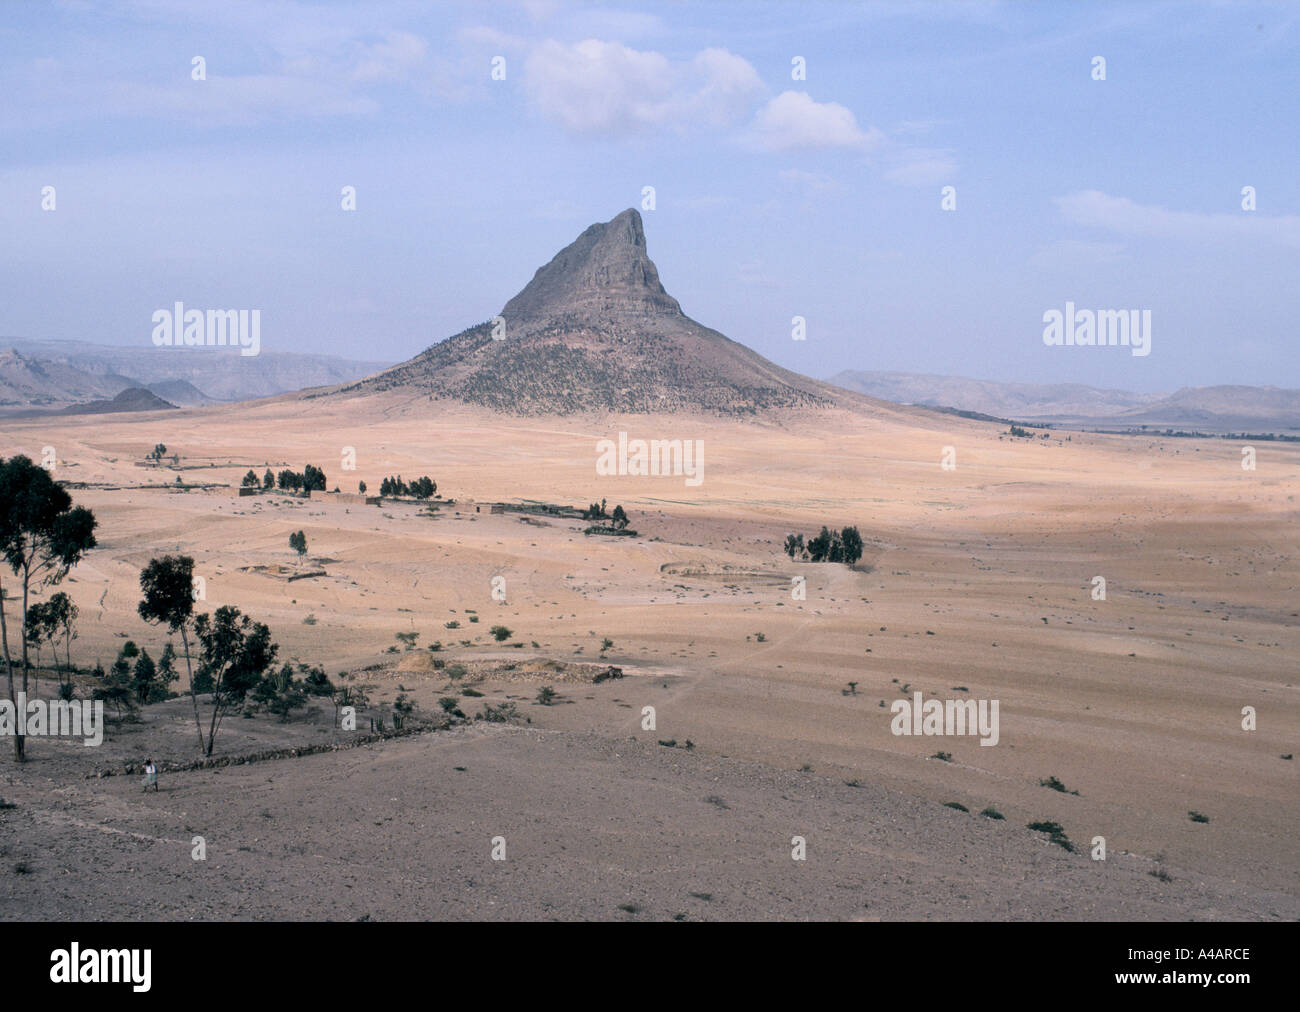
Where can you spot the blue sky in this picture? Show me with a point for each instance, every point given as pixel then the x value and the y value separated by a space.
pixel 775 197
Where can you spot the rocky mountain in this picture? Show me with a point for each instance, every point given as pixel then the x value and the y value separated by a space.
pixel 595 330
pixel 1209 409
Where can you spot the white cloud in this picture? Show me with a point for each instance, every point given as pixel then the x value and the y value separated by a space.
pixel 606 87
pixel 793 121
pixel 728 86
pixel 1119 214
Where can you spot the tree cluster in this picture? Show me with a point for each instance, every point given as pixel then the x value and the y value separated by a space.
pixel 309 479
pixel 618 520
pixel 420 488
pixel 828 546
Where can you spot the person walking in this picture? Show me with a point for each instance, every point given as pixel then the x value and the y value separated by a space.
pixel 150 775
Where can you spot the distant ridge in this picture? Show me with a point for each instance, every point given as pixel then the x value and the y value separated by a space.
pixel 596 330
pixel 1213 408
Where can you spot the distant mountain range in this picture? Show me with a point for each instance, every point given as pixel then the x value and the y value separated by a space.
pixel 54 374
pixel 594 330
pixel 1205 409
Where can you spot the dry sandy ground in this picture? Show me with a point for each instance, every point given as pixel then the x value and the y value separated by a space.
pixel 979 577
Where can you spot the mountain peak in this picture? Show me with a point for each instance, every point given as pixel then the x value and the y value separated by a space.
pixel 604 273
pixel 595 330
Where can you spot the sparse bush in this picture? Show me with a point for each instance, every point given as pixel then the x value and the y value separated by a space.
pixel 402 708
pixel 1198 817
pixel 1055 831
pixel 501 713
pixel 992 813
pixel 957 805
pixel 545 695
pixel 1056 785
pixel 501 633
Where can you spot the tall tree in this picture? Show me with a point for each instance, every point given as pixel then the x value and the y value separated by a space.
pixel 42 536
pixel 235 653
pixel 168 588
pixel 63 613
pixel 852 544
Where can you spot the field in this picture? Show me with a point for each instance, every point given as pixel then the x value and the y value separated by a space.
pixel 976 582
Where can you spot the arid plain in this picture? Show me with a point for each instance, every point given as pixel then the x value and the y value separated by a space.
pixel 976 582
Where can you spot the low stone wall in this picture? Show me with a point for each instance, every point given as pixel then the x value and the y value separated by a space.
pixel 270 754
pixel 352 498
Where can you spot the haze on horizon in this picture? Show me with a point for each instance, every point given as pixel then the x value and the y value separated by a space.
pixel 774 197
